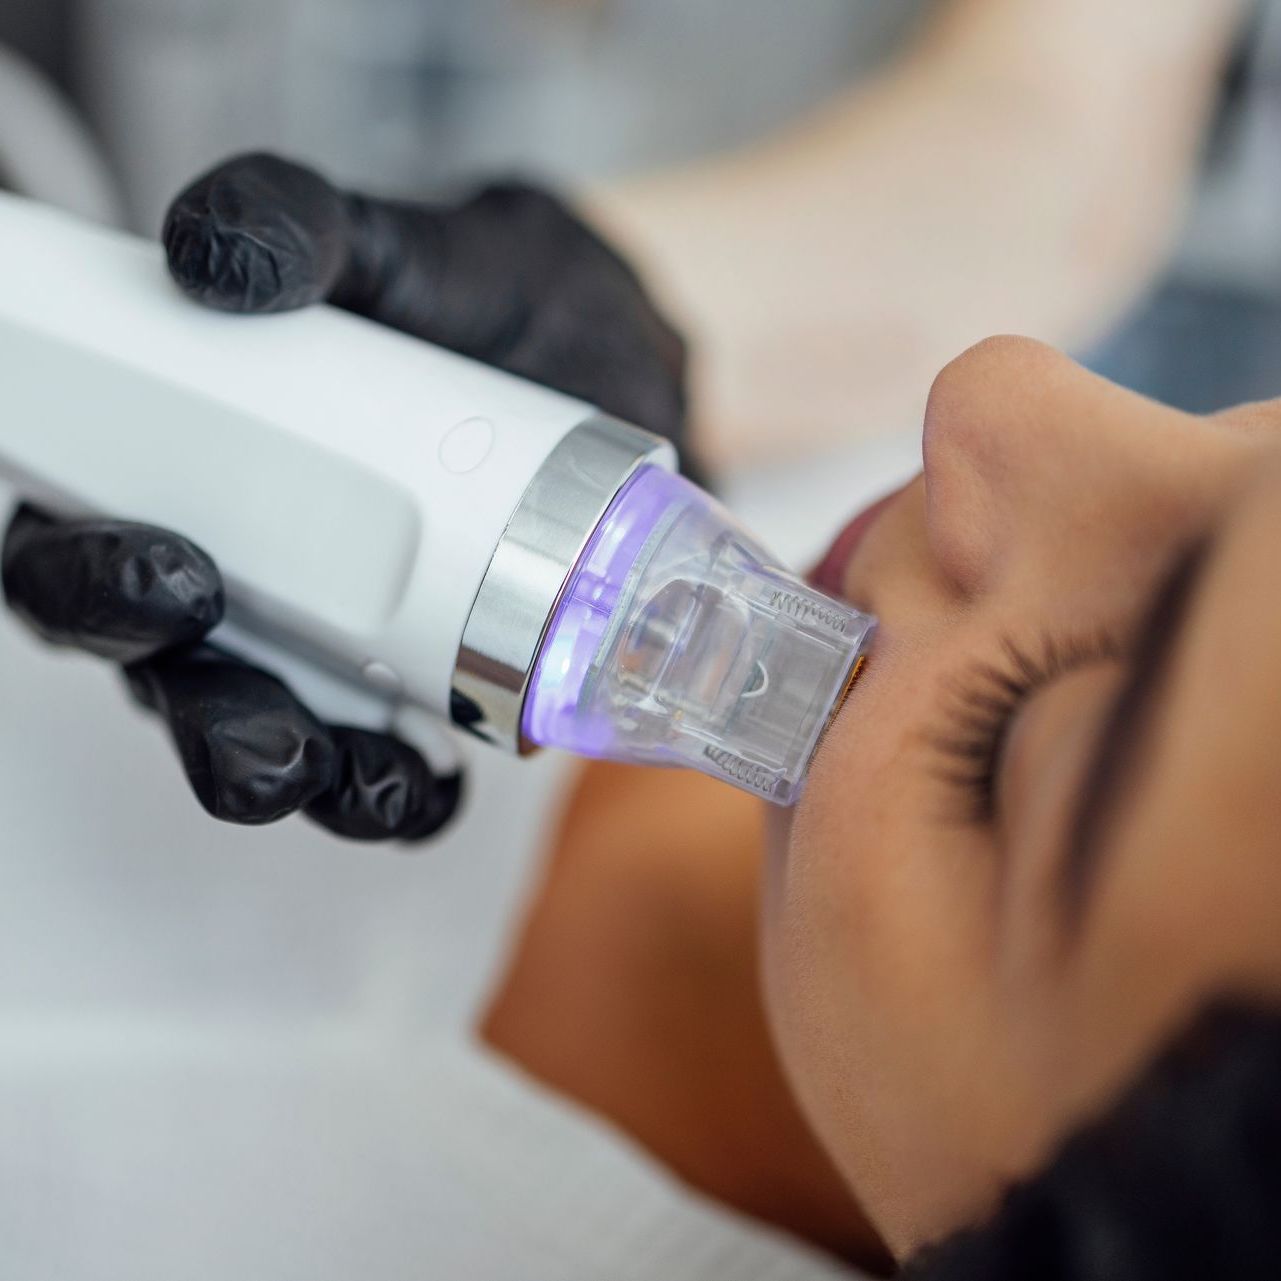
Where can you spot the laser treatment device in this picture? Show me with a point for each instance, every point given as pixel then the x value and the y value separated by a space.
pixel 411 523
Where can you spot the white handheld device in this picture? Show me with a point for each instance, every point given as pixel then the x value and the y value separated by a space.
pixel 421 526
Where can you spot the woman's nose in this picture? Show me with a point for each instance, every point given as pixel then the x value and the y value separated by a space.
pixel 1031 460
pixel 980 409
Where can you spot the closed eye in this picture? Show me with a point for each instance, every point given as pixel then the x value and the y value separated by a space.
pixel 980 708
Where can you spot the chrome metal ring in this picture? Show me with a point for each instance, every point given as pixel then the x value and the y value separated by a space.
pixel 537 551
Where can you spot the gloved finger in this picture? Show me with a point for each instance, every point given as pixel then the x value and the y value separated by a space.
pixel 510 276
pixel 258 234
pixel 119 590
pixel 383 790
pixel 262 234
pixel 251 751
pixel 514 278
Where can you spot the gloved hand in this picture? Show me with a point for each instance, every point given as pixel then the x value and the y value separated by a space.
pixel 510 277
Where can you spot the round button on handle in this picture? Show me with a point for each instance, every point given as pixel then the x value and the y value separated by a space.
pixel 466 445
pixel 382 678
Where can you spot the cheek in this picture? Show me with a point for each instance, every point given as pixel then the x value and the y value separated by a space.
pixel 877 952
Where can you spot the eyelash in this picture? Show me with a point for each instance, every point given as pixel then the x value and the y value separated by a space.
pixel 982 704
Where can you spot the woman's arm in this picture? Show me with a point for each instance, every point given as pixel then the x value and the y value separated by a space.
pixel 1021 168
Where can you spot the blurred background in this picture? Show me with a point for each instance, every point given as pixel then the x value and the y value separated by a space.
pixel 251 1048
pixel 408 95
pixel 411 96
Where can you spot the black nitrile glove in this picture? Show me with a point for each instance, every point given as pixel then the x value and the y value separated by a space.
pixel 509 277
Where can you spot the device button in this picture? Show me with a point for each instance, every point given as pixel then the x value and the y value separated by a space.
pixel 466 445
pixel 382 678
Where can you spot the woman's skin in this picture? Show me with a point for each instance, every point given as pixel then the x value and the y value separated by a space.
pixel 994 904
pixel 635 989
pixel 954 984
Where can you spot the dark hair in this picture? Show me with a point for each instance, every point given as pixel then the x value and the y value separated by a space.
pixel 1181 1181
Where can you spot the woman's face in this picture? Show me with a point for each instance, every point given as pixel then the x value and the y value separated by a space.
pixel 1046 826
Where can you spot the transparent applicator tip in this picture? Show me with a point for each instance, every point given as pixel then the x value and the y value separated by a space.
pixel 677 641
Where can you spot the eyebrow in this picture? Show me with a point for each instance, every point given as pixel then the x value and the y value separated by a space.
pixel 1127 728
